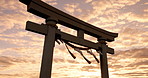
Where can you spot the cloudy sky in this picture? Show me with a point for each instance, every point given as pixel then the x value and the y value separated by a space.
pixel 21 50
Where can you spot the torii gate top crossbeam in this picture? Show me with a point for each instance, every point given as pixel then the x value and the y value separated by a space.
pixel 44 10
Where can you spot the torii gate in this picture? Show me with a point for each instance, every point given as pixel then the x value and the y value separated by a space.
pixel 54 16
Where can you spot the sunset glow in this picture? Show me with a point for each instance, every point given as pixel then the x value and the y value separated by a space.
pixel 21 50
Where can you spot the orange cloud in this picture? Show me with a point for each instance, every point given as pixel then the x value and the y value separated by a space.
pixel 139 18
pixel 21 51
pixel 71 8
pixel 88 1
pixel 129 63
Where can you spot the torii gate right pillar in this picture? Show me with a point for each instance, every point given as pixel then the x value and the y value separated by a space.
pixel 103 59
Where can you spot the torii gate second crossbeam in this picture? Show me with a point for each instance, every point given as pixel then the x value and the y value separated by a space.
pixel 54 16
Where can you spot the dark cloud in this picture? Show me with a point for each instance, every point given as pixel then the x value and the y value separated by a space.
pixel 89 68
pixel 25 75
pixel 133 61
pixel 140 53
pixel 6 61
pixel 136 74
pixel 73 61
pixel 57 60
pixel 132 53
pixel 143 67
pixel 137 64
pixel 115 66
pixel 132 74
pixel 10 75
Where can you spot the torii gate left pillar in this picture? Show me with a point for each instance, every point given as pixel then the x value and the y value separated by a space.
pixel 49 43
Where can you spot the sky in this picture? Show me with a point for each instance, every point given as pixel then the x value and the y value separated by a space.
pixel 21 50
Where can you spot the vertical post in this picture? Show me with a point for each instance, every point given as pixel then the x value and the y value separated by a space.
pixel 103 59
pixel 49 43
pixel 80 34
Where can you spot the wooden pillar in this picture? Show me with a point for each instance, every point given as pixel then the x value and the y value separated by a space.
pixel 103 59
pixel 80 34
pixel 49 43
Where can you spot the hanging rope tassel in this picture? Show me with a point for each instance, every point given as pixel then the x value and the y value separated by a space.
pixel 70 52
pixel 78 50
pixel 91 53
pixel 58 42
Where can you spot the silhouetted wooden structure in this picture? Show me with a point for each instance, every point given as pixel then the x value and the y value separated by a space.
pixel 54 16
